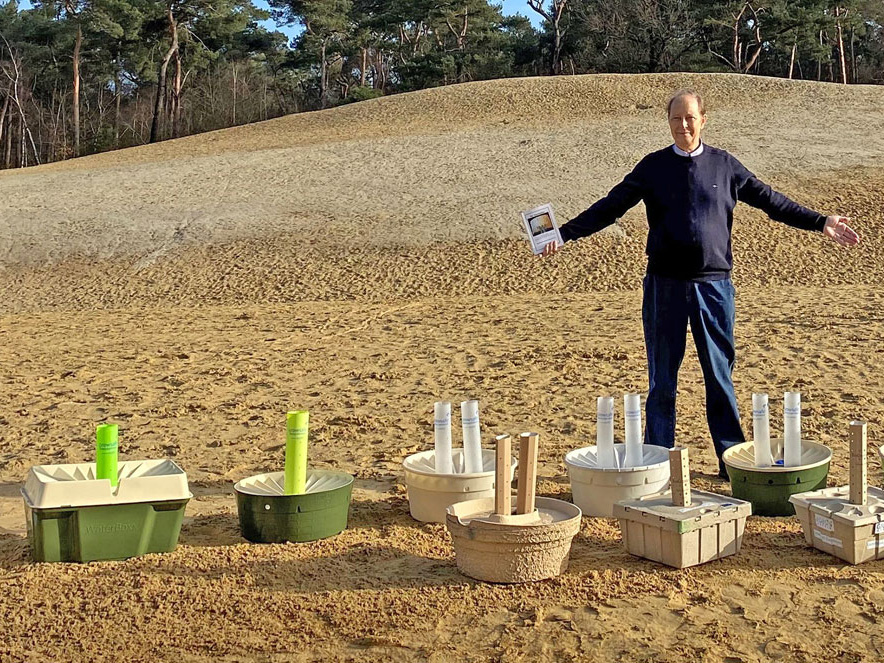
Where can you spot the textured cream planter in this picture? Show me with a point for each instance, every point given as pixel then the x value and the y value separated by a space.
pixel 430 494
pixel 496 543
pixel 535 549
pixel 597 489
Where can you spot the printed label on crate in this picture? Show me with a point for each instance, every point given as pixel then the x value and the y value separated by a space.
pixel 879 527
pixel 824 523
pixel 828 540
pixel 874 545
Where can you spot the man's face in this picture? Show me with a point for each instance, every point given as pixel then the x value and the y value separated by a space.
pixel 686 123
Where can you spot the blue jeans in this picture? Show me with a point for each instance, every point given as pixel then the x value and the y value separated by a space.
pixel 667 307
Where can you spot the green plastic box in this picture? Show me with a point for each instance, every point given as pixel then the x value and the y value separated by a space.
pixel 267 515
pixel 73 517
pixel 769 488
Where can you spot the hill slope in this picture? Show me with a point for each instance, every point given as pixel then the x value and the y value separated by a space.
pixel 370 189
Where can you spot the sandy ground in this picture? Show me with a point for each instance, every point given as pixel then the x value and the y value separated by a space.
pixel 365 262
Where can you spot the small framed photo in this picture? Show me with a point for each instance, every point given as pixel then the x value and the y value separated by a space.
pixel 540 224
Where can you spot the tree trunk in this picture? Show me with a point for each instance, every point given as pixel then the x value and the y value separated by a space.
pixel 792 59
pixel 753 59
pixel 842 59
pixel 3 116
pixel 322 74
pixel 117 101
pixel 819 62
pixel 557 49
pixel 76 101
pixel 852 56
pixel 234 94
pixel 161 80
pixel 22 153
pixel 363 73
pixel 7 156
pixel 176 97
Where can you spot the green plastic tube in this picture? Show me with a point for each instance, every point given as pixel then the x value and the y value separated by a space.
pixel 106 452
pixel 297 426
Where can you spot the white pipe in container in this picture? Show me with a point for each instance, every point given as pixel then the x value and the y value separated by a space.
pixel 442 428
pixel 472 437
pixel 761 430
pixel 605 432
pixel 791 429
pixel 633 416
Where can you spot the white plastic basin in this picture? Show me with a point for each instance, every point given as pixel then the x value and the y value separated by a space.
pixel 596 489
pixel 430 494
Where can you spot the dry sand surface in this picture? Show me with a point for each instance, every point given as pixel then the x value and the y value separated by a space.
pixel 366 261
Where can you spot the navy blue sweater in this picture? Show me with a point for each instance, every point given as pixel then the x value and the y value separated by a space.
pixel 690 206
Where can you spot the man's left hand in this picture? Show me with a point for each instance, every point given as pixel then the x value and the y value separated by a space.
pixel 837 230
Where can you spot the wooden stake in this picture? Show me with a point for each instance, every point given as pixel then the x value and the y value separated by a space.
pixel 503 489
pixel 858 463
pixel 680 476
pixel 528 443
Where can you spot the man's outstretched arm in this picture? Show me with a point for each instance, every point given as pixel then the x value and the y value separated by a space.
pixel 602 213
pixel 778 207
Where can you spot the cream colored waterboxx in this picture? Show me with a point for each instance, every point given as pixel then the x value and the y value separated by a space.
pixel 846 521
pixel 607 473
pixel 493 544
pixel 681 527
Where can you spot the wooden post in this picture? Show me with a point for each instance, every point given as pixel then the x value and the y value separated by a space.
pixel 503 500
pixel 858 464
pixel 528 443
pixel 680 476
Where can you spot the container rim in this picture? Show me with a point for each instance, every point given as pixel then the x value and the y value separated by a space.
pixel 571 461
pixel 348 480
pixel 409 466
pixel 31 505
pixel 458 512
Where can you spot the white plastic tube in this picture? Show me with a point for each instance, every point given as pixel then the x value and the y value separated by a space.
pixel 605 432
pixel 472 437
pixel 761 430
pixel 632 413
pixel 442 427
pixel 791 429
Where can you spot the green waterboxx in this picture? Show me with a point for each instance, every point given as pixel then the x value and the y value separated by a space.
pixel 74 517
pixel 91 533
pixel 267 515
pixel 769 489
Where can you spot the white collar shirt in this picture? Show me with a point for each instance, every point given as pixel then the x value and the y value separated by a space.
pixel 682 153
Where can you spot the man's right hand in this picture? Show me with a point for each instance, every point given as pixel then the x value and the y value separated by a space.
pixel 549 249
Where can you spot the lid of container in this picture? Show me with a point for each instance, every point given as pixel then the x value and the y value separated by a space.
pixel 273 483
pixel 587 457
pixel 742 456
pixel 705 509
pixel 75 485
pixel 835 503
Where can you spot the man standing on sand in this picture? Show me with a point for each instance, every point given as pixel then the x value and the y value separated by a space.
pixel 690 190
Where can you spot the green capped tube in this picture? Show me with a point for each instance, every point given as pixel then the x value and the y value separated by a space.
pixel 106 452
pixel 297 425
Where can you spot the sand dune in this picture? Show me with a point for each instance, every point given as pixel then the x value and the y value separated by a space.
pixel 366 261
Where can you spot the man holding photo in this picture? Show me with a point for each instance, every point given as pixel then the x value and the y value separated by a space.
pixel 690 190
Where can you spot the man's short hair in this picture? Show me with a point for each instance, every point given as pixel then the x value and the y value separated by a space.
pixel 686 92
